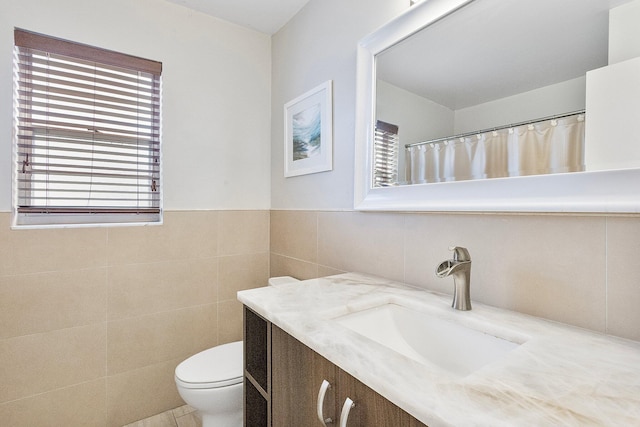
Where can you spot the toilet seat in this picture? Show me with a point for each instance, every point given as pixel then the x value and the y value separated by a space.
pixel 220 366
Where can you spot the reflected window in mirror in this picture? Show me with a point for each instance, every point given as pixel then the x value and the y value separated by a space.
pixel 386 146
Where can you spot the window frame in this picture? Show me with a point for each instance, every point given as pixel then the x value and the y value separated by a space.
pixel 114 211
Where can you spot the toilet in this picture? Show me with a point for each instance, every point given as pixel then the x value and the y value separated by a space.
pixel 211 381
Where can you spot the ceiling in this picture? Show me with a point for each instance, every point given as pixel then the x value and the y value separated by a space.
pixel 266 16
pixel 493 49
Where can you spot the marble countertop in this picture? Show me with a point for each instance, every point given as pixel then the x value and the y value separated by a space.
pixel 559 375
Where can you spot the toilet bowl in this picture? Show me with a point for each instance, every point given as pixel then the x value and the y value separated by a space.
pixel 211 381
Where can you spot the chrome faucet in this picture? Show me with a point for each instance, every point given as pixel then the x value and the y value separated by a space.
pixel 460 268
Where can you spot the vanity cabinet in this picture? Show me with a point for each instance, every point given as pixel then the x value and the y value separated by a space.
pixel 297 373
pixel 371 409
pixel 292 392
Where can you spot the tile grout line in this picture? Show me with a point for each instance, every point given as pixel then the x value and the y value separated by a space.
pixel 317 261
pixel 404 248
pixel 606 275
pixel 217 281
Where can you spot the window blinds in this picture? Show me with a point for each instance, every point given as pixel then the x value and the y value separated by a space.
pixel 87 133
pixel 385 151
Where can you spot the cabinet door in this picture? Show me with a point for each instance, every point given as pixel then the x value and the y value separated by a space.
pixel 297 374
pixel 371 409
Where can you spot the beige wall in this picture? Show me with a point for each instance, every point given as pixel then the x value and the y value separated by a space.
pixel 317 45
pixel 216 92
pixel 93 321
pixel 579 270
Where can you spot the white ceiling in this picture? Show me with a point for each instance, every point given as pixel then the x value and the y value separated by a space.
pixel 496 48
pixel 266 16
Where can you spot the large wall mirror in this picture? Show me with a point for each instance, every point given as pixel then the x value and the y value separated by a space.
pixel 493 105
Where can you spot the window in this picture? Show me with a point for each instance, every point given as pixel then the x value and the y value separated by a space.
pixel 87 134
pixel 385 152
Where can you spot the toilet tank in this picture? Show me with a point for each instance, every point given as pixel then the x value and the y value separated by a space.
pixel 282 280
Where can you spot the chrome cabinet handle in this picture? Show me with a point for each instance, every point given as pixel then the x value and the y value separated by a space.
pixel 346 408
pixel 320 405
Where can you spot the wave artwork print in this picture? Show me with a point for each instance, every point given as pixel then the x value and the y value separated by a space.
pixel 307 126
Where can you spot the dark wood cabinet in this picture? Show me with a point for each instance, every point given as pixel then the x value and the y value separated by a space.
pixel 297 374
pixel 371 409
pixel 292 393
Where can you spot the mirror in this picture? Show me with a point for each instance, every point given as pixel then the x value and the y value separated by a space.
pixel 480 92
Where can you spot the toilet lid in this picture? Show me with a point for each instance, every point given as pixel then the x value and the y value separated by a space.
pixel 219 366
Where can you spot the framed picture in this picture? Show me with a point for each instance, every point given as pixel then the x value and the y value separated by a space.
pixel 308 132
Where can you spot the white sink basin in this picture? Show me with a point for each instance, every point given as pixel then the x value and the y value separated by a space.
pixel 456 348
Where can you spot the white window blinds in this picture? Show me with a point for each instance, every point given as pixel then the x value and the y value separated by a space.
pixel 385 151
pixel 87 133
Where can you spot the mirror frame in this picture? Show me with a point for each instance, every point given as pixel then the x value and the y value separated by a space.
pixel 610 191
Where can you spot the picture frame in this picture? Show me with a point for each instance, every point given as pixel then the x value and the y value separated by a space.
pixel 308 132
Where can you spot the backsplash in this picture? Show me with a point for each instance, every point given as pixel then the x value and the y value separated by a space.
pixel 578 270
pixel 94 318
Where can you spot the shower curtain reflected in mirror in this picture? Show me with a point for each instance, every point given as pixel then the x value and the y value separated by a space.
pixel 549 146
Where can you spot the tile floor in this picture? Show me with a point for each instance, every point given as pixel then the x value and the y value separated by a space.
pixel 184 416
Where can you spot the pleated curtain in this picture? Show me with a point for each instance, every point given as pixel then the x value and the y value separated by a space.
pixel 550 146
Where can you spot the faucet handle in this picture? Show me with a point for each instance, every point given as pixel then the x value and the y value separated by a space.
pixel 460 253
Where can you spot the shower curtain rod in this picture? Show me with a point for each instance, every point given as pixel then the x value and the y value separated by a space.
pixel 513 125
